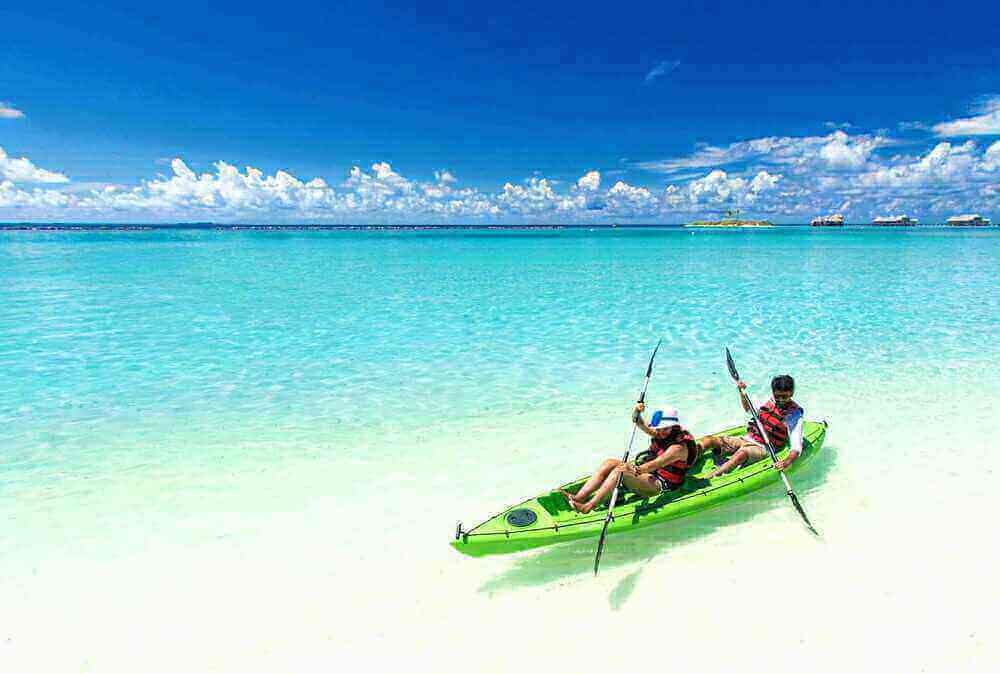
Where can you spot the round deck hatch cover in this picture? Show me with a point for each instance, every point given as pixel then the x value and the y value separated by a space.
pixel 521 517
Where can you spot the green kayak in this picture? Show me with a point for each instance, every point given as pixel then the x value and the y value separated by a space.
pixel 548 519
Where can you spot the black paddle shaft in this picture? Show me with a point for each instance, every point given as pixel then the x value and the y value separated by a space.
pixel 628 450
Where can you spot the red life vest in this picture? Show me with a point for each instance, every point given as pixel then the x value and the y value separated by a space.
pixel 773 419
pixel 674 473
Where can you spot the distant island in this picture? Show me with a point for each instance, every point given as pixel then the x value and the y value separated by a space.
pixel 729 223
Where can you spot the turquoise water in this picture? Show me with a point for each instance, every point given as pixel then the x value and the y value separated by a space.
pixel 255 445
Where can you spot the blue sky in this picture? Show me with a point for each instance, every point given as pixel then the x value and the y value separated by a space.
pixel 534 112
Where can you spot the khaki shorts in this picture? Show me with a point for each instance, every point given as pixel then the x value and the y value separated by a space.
pixel 733 443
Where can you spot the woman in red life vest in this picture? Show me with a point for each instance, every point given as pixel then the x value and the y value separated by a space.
pixel 783 421
pixel 672 450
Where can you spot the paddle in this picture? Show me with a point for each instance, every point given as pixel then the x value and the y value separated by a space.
pixel 767 442
pixel 614 494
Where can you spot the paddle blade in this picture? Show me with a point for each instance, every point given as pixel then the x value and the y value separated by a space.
pixel 610 517
pixel 802 512
pixel 649 369
pixel 732 366
pixel 600 548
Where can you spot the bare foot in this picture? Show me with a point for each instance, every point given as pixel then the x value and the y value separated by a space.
pixel 570 498
pixel 584 508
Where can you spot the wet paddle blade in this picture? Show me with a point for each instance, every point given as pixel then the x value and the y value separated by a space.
pixel 802 512
pixel 607 520
pixel 649 371
pixel 600 548
pixel 649 368
pixel 732 366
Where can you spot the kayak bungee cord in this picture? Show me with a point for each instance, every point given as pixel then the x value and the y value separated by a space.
pixel 628 450
pixel 767 442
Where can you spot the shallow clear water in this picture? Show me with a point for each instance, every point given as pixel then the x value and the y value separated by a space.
pixel 247 451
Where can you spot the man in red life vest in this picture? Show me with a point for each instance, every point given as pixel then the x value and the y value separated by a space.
pixel 782 419
pixel 672 451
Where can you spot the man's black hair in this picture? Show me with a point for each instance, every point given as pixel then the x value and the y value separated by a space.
pixel 783 382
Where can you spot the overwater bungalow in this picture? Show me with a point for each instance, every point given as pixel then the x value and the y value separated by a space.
pixel 894 221
pixel 828 221
pixel 971 220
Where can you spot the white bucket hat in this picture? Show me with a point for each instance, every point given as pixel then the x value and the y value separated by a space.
pixel 665 418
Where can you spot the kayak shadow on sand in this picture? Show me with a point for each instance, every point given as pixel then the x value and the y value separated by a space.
pixel 566 560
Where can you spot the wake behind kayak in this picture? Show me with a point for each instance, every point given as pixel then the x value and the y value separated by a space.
pixel 548 519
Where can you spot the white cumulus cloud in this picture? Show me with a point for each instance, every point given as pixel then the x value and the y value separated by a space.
pixel 843 152
pixel 764 181
pixel 47 200
pixel 944 163
pixel 23 171
pixel 535 196
pixel 226 190
pixel 625 199
pixel 590 181
pixel 716 187
pixel 991 158
pixel 985 123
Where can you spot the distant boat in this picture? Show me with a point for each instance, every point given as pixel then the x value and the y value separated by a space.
pixel 972 220
pixel 828 221
pixel 894 221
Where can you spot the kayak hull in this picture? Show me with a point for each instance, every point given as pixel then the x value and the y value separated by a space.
pixel 547 519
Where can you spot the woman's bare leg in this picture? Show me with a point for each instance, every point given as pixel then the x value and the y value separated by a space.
pixel 644 485
pixel 597 479
pixel 602 493
pixel 640 483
